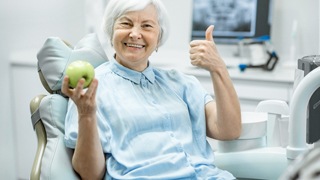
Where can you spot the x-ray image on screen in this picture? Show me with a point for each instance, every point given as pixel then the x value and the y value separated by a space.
pixel 230 17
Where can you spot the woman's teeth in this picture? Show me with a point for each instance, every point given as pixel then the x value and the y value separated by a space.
pixel 134 45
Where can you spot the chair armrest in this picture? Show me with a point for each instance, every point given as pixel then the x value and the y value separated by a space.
pixel 41 137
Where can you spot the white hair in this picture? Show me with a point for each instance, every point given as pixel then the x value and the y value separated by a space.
pixel 117 8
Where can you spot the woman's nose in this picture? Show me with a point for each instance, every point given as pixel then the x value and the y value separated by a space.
pixel 135 33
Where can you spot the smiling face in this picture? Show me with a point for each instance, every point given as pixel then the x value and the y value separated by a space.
pixel 135 37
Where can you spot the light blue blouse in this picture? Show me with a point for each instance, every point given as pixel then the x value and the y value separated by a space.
pixel 151 124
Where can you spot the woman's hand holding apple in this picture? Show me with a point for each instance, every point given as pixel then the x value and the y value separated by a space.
pixel 84 99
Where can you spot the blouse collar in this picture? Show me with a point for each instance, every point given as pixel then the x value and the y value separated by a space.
pixel 132 75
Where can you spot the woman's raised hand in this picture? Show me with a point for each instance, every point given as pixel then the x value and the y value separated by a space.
pixel 204 53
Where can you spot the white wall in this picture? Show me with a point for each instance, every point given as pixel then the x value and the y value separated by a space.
pixel 24 26
pixel 180 13
pixel 7 158
pixel 306 13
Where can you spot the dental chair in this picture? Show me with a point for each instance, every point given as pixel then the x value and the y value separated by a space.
pixel 259 153
pixel 53 159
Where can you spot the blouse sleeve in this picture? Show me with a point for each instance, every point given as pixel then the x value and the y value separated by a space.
pixel 71 127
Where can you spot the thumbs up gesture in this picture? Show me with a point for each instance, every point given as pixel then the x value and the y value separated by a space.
pixel 204 53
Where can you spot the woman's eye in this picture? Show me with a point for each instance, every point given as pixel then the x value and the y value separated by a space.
pixel 147 26
pixel 125 24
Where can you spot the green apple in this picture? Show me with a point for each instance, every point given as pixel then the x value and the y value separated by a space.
pixel 80 69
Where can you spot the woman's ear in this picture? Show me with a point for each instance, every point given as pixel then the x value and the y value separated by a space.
pixel 158 44
pixel 159 38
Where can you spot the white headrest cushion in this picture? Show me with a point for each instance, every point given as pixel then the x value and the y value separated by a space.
pixel 56 55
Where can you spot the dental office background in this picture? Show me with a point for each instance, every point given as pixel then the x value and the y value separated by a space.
pixel 26 24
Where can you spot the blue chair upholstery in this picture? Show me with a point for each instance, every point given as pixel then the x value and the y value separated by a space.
pixel 52 159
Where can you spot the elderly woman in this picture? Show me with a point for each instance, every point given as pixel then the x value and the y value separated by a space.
pixel 142 122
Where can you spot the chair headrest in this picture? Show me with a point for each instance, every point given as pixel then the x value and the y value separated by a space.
pixel 56 55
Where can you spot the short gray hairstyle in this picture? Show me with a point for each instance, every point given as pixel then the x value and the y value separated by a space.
pixel 117 8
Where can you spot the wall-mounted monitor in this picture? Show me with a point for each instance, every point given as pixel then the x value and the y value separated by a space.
pixel 233 19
